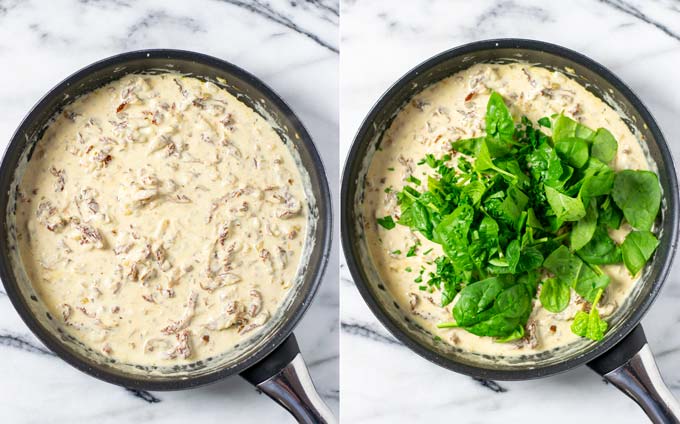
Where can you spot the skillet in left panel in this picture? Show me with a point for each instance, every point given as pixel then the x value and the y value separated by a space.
pixel 240 266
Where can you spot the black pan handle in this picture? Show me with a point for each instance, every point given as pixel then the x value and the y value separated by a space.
pixel 283 376
pixel 630 366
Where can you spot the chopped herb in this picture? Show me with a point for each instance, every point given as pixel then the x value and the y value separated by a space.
pixel 411 251
pixel 544 122
pixel 419 278
pixel 390 169
pixel 414 180
pixel 386 222
pixel 432 162
pixel 396 252
pixel 427 251
pixel 408 269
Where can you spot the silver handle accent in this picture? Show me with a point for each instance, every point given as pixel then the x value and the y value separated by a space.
pixel 292 388
pixel 639 378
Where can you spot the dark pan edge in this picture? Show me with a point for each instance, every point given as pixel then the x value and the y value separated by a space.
pixel 318 269
pixel 352 161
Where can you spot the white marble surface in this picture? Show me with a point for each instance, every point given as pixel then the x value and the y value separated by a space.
pixel 293 47
pixel 384 382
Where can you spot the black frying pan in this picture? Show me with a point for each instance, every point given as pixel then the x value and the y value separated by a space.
pixel 623 357
pixel 271 360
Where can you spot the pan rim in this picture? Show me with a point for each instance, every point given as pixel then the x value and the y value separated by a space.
pixel 317 268
pixel 347 234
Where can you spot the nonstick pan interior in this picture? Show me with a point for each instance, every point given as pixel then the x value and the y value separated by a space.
pixel 600 82
pixel 256 95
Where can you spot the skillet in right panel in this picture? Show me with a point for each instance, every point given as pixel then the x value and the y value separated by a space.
pixel 509 212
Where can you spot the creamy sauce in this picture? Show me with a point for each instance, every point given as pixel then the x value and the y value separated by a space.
pixel 452 109
pixel 161 220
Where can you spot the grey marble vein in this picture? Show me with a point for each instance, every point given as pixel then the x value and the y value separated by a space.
pixel 21 342
pixel 633 11
pixel 322 361
pixel 504 9
pixel 7 5
pixel 266 10
pixel 330 6
pixel 346 280
pixel 106 3
pixel 491 385
pixel 672 350
pixel 157 17
pixel 143 395
pixel 365 330
pixel 46 36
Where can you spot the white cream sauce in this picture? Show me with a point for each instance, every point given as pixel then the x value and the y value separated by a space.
pixel 161 220
pixel 452 109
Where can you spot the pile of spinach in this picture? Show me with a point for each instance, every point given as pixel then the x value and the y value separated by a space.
pixel 532 209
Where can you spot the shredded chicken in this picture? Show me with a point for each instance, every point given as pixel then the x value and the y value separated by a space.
pixel 256 322
pixel 183 347
pixel 234 314
pixel 255 303
pixel 185 320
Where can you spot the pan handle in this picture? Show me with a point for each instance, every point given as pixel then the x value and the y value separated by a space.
pixel 283 376
pixel 630 366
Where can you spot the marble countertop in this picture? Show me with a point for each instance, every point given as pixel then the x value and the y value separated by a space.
pixel 383 381
pixel 293 47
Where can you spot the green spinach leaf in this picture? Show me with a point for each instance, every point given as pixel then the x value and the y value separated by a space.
pixel 569 269
pixel 474 191
pixel 590 281
pixel 564 127
pixel 386 222
pixel 566 208
pixel 530 259
pixel 598 179
pixel 483 162
pixel 515 202
pixel 574 151
pixel 545 166
pixel 493 307
pixel 637 248
pixel 512 255
pixel 610 214
pixel 601 249
pixel 555 295
pixel 604 145
pixel 590 325
pixel 638 195
pixel 582 232
pixel 565 266
pixel 418 218
pixel 468 146
pixel 500 127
